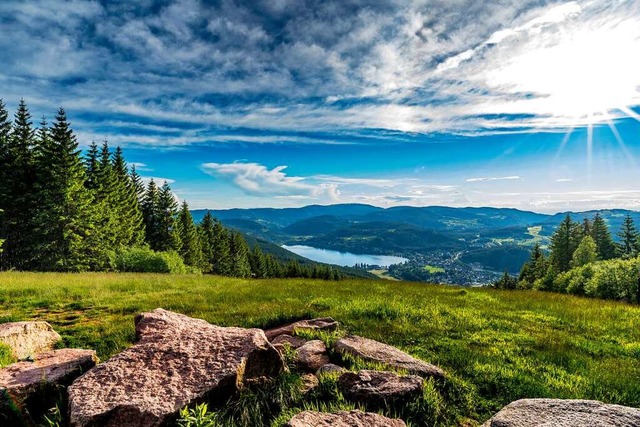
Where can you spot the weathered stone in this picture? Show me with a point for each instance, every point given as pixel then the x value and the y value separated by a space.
pixel 309 382
pixel 385 354
pixel 32 387
pixel 320 324
pixel 379 388
pixel 343 419
pixel 284 339
pixel 312 356
pixel 177 361
pixel 564 413
pixel 28 338
pixel 330 368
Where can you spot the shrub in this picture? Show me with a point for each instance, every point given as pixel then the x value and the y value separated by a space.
pixel 144 260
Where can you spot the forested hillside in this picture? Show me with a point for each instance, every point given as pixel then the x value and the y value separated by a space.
pixel 64 211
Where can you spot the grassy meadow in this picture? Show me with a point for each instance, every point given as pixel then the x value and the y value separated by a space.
pixel 496 346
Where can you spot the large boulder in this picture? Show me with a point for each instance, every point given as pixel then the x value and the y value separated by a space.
pixel 374 351
pixel 312 356
pixel 330 369
pixel 284 339
pixel 379 388
pixel 177 361
pixel 564 413
pixel 30 388
pixel 343 419
pixel 319 324
pixel 27 339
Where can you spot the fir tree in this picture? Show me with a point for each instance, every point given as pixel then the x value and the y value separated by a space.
pixel 604 243
pixel 67 208
pixel 191 248
pixel 207 239
pixel 258 263
pixel 137 183
pixel 131 229
pixel 534 269
pixel 629 245
pixel 168 236
pixel 239 252
pixel 564 242
pixel 151 215
pixel 221 248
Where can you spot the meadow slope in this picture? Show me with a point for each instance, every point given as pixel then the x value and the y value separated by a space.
pixel 497 346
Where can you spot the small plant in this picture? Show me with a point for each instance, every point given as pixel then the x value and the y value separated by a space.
pixel 53 418
pixel 6 355
pixel 198 417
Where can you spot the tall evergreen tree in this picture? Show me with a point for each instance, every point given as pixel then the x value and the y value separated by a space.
pixel 19 198
pixel 191 248
pixel 131 229
pixel 222 260
pixel 629 244
pixel 258 263
pixel 604 243
pixel 137 183
pixel 5 134
pixel 207 240
pixel 534 269
pixel 67 210
pixel 151 215
pixel 168 236
pixel 564 242
pixel 239 252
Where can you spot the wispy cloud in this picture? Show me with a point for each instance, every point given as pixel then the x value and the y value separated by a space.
pixel 495 178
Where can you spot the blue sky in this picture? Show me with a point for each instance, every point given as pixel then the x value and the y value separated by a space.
pixel 530 104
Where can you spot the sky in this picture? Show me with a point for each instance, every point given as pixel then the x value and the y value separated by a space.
pixel 530 104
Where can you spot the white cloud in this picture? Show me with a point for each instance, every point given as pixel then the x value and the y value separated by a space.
pixel 495 178
pixel 258 180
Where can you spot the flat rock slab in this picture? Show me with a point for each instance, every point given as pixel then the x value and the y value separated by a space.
pixel 177 361
pixel 374 351
pixel 564 413
pixel 28 338
pixel 293 342
pixel 343 419
pixel 319 324
pixel 379 388
pixel 312 356
pixel 30 387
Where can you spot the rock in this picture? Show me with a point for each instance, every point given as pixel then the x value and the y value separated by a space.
pixel 330 368
pixel 293 342
pixel 309 382
pixel 177 361
pixel 378 352
pixel 312 356
pixel 320 324
pixel 32 387
pixel 379 388
pixel 28 338
pixel 564 413
pixel 343 419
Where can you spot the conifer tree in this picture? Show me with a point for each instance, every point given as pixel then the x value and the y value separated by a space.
pixel 534 269
pixel 604 243
pixel 239 252
pixel 131 229
pixel 5 134
pixel 92 167
pixel 151 215
pixel 191 248
pixel 629 244
pixel 138 185
pixel 564 242
pixel 222 260
pixel 207 239
pixel 258 263
pixel 168 236
pixel 68 207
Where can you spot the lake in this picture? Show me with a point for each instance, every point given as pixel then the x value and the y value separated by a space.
pixel 343 258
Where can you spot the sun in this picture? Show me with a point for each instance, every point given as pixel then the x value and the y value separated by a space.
pixel 580 76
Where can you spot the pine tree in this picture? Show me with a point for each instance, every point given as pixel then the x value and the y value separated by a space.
pixel 629 244
pixel 564 242
pixel 19 199
pixel 207 237
pixel 587 228
pixel 586 252
pixel 239 252
pixel 151 215
pixel 137 183
pixel 534 269
pixel 131 229
pixel 92 167
pixel 67 210
pixel 604 243
pixel 258 263
pixel 191 248
pixel 222 261
pixel 5 134
pixel 168 236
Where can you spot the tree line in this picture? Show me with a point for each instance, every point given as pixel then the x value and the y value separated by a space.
pixel 584 259
pixel 61 210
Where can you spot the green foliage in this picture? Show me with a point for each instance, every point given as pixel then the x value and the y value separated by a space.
pixel 191 247
pixel 564 242
pixel 585 253
pixel 199 416
pixel 629 245
pixel 6 355
pixel 602 237
pixel 145 260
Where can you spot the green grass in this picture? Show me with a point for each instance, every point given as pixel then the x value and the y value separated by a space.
pixel 496 346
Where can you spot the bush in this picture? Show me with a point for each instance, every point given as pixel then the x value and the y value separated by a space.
pixel 144 260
